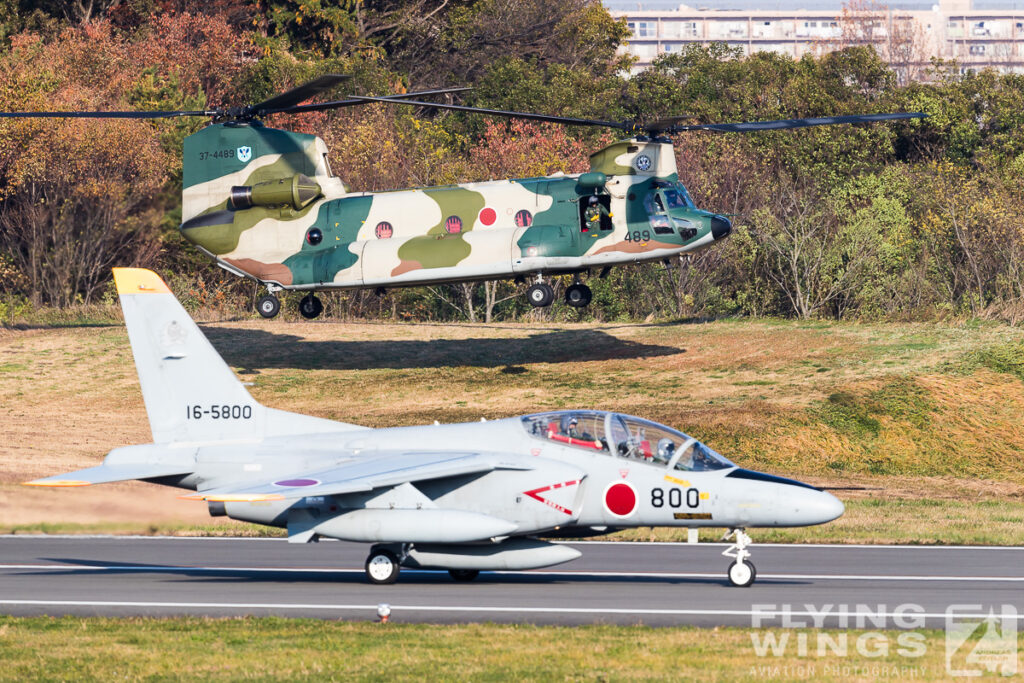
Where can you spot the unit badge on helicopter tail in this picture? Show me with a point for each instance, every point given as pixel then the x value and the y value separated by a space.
pixel 244 154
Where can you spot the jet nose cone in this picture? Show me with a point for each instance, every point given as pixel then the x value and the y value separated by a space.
pixel 821 507
pixel 720 227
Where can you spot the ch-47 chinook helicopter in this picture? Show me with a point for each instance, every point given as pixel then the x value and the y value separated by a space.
pixel 264 204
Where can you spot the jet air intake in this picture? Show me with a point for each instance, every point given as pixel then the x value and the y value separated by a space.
pixel 297 192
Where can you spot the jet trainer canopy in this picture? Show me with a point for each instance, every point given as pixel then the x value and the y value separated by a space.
pixel 625 436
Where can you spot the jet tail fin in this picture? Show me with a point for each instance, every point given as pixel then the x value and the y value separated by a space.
pixel 191 394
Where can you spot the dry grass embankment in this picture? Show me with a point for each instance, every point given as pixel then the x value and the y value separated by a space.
pixel 918 424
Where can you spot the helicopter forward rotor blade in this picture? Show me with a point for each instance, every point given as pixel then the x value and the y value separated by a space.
pixel 296 95
pixel 671 125
pixel 500 112
pixel 351 102
pixel 100 114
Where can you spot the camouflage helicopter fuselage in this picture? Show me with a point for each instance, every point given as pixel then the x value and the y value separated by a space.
pixel 264 203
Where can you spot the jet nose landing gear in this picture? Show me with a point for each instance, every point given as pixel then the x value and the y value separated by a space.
pixel 741 573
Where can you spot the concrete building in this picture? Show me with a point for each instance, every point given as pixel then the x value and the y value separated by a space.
pixel 906 35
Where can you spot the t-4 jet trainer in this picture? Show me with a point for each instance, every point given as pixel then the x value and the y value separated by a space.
pixel 459 497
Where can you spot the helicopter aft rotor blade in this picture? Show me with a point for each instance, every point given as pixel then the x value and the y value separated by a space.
pixel 622 125
pixel 671 125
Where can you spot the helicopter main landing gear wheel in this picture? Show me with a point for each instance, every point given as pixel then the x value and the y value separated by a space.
pixel 463 575
pixel 268 306
pixel 540 295
pixel 578 295
pixel 741 572
pixel 311 307
pixel 382 566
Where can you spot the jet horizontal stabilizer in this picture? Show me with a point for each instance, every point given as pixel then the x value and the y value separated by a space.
pixel 104 474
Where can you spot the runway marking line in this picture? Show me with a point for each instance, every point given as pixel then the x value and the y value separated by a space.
pixel 475 608
pixel 793 546
pixel 658 575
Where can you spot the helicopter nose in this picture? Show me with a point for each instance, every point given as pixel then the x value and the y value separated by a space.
pixel 720 227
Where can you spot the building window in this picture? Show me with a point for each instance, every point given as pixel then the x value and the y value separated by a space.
pixel 977 49
pixel 644 29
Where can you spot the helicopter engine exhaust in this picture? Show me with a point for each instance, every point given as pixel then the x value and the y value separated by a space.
pixel 297 192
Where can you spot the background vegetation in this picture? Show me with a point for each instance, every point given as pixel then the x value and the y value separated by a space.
pixel 913 220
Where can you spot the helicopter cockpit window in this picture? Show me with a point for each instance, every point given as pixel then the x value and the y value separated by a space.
pixel 660 222
pixel 696 457
pixel 685 194
pixel 653 204
pixel 675 200
pixel 579 428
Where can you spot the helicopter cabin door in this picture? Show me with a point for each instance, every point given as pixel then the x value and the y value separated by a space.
pixel 603 223
pixel 341 262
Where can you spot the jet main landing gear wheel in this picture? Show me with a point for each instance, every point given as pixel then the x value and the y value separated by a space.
pixel 741 573
pixel 462 575
pixel 382 566
pixel 268 306
pixel 578 295
pixel 311 307
pixel 540 295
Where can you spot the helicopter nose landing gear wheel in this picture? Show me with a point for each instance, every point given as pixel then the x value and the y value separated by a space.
pixel 268 306
pixel 578 295
pixel 382 566
pixel 311 307
pixel 741 573
pixel 540 295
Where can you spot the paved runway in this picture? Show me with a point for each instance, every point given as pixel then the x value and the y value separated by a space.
pixel 627 583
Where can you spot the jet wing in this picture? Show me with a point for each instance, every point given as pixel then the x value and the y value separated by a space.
pixel 381 469
pixel 104 474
